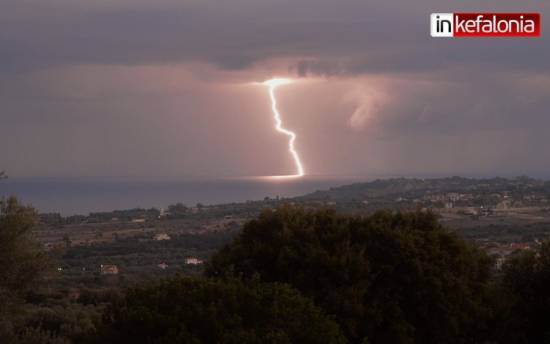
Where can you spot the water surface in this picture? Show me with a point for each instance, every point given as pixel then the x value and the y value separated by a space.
pixel 70 196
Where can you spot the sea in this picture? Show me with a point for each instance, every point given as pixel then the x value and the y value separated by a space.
pixel 71 196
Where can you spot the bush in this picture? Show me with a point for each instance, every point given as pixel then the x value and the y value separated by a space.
pixel 525 298
pixel 200 310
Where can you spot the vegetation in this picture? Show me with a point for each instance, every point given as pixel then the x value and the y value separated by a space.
pixel 411 193
pixel 525 298
pixel 382 277
pixel 292 275
pixel 22 263
pixel 198 310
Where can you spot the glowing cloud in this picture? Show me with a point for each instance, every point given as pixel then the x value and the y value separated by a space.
pixel 273 84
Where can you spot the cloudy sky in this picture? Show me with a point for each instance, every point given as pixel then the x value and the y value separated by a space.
pixel 165 88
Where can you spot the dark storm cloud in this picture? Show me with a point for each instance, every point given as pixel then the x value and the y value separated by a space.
pixel 341 36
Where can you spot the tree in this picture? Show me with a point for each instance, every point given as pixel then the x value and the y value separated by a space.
pixel 200 310
pixel 524 298
pixel 21 261
pixel 390 277
pixel 178 208
pixel 67 240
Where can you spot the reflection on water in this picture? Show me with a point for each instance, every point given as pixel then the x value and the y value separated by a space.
pixel 275 178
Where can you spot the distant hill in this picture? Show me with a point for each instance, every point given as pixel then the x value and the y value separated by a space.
pixel 413 188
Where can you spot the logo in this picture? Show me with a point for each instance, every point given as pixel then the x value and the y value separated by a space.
pixel 485 24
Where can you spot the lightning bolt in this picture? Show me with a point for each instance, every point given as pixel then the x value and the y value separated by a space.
pixel 273 84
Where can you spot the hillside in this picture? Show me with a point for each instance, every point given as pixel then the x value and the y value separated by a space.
pixel 470 191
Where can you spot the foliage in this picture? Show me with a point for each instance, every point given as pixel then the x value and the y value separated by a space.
pixel 391 277
pixel 200 310
pixel 525 298
pixel 290 276
pixel 31 335
pixel 22 263
pixel 71 321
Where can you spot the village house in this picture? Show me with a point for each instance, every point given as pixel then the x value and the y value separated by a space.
pixel 161 236
pixel 109 269
pixel 193 261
